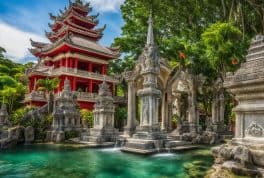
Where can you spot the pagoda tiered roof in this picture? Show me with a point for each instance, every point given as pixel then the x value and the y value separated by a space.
pixel 73 29
pixel 77 43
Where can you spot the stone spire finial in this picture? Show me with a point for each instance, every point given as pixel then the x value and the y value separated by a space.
pixel 150 37
pixel 104 89
pixel 67 86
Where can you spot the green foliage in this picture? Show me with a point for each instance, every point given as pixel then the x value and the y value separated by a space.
pixel 11 94
pixel 120 116
pixel 47 84
pixel 223 43
pixel 87 117
pixel 175 118
pixel 7 81
pixel 12 82
pixel 41 126
pixel 17 115
pixel 71 134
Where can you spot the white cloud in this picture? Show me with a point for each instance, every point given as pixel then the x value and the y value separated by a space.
pixel 106 5
pixel 16 42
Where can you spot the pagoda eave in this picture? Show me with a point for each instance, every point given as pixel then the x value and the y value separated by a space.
pixel 55 36
pixel 65 47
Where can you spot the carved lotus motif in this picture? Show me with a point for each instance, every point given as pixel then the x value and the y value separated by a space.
pixel 255 130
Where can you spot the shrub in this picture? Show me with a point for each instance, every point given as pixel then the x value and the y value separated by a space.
pixel 17 115
pixel 87 116
pixel 71 134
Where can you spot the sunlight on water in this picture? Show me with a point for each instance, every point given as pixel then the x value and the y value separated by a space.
pixel 164 155
pixel 110 149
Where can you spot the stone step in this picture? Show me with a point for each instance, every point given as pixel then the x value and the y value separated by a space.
pixel 171 144
pixel 139 151
pixel 184 148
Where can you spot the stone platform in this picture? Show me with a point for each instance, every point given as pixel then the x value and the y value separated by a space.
pixel 89 144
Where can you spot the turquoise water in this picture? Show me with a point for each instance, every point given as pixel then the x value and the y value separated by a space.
pixel 57 161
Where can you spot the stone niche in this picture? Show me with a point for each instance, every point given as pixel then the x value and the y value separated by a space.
pixel 66 115
pixel 244 155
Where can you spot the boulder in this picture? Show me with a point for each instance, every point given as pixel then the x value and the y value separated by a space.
pixel 11 137
pixel 222 153
pixel 242 155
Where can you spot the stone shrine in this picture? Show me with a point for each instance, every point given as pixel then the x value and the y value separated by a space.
pixel 245 155
pixel 66 115
pixel 103 129
pixel 148 136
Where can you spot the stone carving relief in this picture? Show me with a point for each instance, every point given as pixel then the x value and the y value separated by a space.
pixel 145 111
pixel 255 130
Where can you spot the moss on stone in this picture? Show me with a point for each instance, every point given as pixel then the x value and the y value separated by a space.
pixel 222 173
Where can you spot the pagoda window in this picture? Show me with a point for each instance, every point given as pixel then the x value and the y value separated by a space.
pixel 97 69
pixel 83 66
pixel 95 88
pixel 82 86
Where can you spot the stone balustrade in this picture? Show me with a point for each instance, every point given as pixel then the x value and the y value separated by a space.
pixel 81 96
pixel 50 71
pixel 36 96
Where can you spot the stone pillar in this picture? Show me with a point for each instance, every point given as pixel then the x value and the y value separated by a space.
pixel 214 103
pixel 221 107
pixel 192 118
pixel 239 125
pixel 131 109
pixel 164 112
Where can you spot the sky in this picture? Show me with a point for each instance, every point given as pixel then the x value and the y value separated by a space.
pixel 21 20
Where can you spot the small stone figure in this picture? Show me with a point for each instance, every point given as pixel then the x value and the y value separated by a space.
pixel 4 118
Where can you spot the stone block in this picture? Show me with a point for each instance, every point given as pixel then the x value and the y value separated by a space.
pixel 29 134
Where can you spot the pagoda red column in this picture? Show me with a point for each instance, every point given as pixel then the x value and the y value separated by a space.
pixel 67 62
pixel 70 62
pixel 76 64
pixel 104 69
pixel 61 63
pixel 90 67
pixel 90 86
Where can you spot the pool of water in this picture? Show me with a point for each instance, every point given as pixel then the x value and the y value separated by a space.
pixel 58 161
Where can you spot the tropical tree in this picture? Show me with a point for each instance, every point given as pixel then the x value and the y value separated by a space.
pixel 11 94
pixel 48 85
pixel 224 47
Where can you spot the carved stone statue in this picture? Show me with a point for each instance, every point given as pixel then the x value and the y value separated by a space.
pixel 255 130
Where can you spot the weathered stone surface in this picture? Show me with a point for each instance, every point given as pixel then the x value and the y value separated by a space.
pixel 242 155
pixel 258 157
pixel 66 115
pixel 103 129
pixel 4 117
pixel 29 134
pixel 222 153
pixel 12 136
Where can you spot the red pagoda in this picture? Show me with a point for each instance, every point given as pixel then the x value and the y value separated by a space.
pixel 73 53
